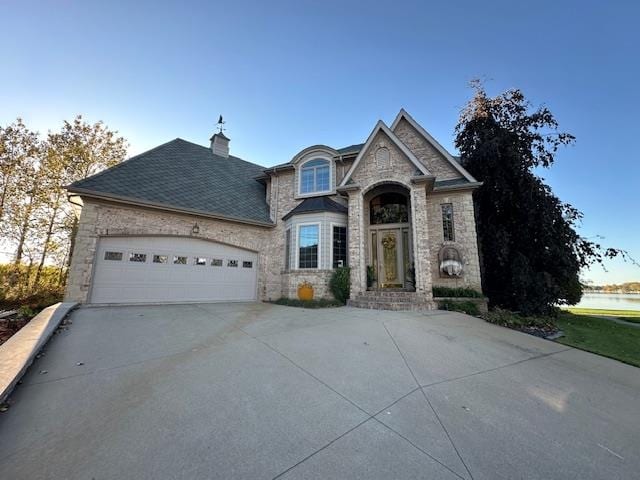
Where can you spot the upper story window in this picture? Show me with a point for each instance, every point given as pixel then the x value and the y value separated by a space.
pixel 315 176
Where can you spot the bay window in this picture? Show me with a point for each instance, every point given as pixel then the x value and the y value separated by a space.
pixel 308 243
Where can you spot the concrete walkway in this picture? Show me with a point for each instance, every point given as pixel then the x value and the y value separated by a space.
pixel 262 391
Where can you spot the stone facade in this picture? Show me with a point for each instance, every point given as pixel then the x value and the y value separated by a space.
pixel 464 235
pixel 292 279
pixel 385 162
pixel 368 175
pixel 100 219
pixel 425 152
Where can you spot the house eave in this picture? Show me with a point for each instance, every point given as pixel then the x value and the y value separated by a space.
pixel 159 206
pixel 351 187
pixel 464 186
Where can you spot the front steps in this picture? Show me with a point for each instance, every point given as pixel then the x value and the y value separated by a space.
pixel 391 299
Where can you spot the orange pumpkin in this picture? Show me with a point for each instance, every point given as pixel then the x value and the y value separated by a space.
pixel 305 291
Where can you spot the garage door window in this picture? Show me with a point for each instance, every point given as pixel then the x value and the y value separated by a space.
pixel 114 256
pixel 199 261
pixel 177 260
pixel 216 262
pixel 247 264
pixel 160 259
pixel 232 263
pixel 137 257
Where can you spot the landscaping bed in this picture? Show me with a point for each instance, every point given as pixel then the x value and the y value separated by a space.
pixel 539 326
pixel 9 326
pixel 319 303
pixel 13 320
pixel 465 300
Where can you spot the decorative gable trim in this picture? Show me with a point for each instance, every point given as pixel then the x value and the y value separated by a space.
pixel 403 114
pixel 381 127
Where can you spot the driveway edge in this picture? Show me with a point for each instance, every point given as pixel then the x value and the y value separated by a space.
pixel 18 353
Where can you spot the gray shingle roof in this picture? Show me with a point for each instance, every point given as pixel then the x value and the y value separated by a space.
pixel 316 204
pixel 186 176
pixel 351 148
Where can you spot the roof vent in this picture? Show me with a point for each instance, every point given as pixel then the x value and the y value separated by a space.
pixel 220 144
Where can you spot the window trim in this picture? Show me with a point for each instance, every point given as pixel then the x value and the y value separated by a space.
pixel 299 169
pixel 346 236
pixel 307 224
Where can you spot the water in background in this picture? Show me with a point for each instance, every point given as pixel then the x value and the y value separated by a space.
pixel 610 301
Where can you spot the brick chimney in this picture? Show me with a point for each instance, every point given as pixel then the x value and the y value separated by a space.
pixel 220 145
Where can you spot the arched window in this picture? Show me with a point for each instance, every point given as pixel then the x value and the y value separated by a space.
pixel 315 176
pixel 388 208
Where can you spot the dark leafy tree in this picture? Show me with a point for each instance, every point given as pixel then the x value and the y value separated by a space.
pixel 531 254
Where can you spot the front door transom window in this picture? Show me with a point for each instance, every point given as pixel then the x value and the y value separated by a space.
pixel 388 208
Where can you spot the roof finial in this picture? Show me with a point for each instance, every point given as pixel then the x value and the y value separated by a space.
pixel 220 125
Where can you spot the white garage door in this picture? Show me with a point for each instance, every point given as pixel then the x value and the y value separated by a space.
pixel 172 269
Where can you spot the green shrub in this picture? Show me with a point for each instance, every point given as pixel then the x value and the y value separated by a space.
pixel 467 307
pixel 26 312
pixel 456 292
pixel 371 276
pixel 340 284
pixel 319 303
pixel 17 287
pixel 507 318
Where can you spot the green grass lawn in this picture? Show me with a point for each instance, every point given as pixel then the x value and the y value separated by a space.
pixel 601 336
pixel 627 315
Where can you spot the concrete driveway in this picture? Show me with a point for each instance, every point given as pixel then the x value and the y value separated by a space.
pixel 263 391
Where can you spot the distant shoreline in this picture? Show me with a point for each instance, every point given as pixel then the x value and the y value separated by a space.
pixel 617 292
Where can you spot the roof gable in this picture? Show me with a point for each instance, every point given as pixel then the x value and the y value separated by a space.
pixel 404 115
pixel 382 128
pixel 185 176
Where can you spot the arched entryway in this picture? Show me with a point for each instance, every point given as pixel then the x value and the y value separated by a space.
pixel 389 239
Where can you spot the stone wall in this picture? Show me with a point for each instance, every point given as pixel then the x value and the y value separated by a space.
pixel 318 278
pixel 425 152
pixel 103 219
pixel 464 234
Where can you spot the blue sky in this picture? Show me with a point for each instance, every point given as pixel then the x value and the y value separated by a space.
pixel 289 74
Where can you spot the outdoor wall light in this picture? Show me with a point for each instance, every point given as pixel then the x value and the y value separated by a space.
pixel 195 229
